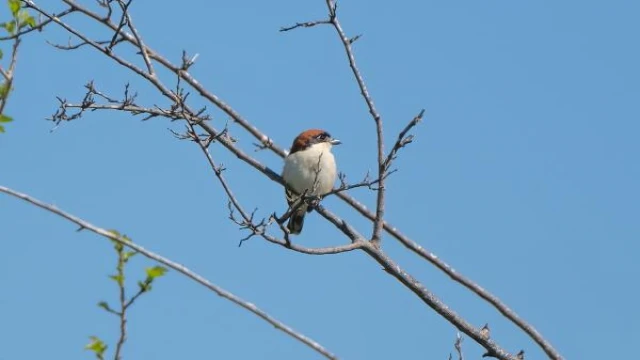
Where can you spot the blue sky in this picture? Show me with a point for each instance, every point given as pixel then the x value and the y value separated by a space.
pixel 523 176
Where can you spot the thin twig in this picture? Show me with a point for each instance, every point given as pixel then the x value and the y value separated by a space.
pixel 307 24
pixel 123 308
pixel 458 346
pixel 403 140
pixel 380 199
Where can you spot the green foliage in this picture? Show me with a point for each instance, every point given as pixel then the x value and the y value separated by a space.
pixel 105 305
pixel 19 18
pixel 151 273
pixel 4 119
pixel 14 6
pixel 156 271
pixel 97 346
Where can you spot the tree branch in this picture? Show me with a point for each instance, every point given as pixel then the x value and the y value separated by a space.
pixel 346 42
pixel 177 267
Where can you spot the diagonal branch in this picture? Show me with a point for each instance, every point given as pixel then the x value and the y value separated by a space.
pixel 177 267
pixel 248 218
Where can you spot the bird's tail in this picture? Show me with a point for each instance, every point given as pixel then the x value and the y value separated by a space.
pixel 296 221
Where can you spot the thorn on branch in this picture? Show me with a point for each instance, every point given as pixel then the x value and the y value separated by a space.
pixel 354 39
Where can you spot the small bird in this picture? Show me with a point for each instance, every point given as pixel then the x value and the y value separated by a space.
pixel 309 169
pixel 520 355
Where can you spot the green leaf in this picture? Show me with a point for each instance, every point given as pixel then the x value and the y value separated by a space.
pixel 4 90
pixel 25 19
pixel 1 54
pixel 5 119
pixel 10 26
pixel 31 21
pixel 104 305
pixel 96 345
pixel 144 286
pixel 1 129
pixel 156 271
pixel 117 278
pixel 14 5
pixel 128 255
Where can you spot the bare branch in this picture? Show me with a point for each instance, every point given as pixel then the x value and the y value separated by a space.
pixel 459 278
pixel 435 303
pixel 346 42
pixel 458 346
pixel 134 31
pixel 307 24
pixel 403 139
pixel 177 267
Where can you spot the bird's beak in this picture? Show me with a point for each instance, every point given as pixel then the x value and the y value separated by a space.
pixel 335 142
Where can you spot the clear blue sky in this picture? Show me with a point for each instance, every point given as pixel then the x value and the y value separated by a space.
pixel 524 176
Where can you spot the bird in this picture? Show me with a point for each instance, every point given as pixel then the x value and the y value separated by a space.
pixel 310 170
pixel 520 355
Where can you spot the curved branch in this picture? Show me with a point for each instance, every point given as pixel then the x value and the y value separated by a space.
pixel 177 267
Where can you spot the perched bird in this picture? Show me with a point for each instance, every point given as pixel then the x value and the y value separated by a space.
pixel 309 169
pixel 520 355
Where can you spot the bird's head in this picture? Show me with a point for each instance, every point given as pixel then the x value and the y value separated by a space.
pixel 313 137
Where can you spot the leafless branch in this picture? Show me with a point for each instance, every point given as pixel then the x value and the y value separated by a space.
pixel 403 139
pixel 177 267
pixel 458 346
pixel 268 143
pixel 378 221
pixel 307 24
pixel 134 31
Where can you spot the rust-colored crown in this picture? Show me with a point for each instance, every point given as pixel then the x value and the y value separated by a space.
pixel 304 140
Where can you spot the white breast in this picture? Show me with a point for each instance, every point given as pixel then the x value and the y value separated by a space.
pixel 312 166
